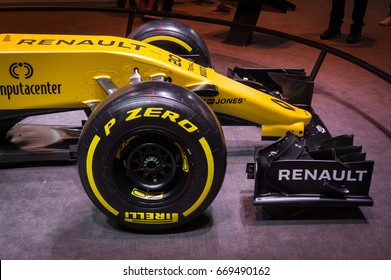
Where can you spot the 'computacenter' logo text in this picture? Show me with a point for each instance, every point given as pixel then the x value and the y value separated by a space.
pixel 24 71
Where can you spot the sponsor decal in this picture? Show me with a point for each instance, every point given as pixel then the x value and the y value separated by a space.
pixel 151 217
pixel 224 101
pixel 73 42
pixel 24 71
pixel 15 72
pixel 321 175
pixel 152 112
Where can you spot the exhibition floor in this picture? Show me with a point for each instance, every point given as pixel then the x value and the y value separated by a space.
pixel 45 213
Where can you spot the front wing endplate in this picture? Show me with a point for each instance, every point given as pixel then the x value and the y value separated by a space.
pixel 295 171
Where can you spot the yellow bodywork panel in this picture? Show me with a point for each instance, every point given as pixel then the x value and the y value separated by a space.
pixel 48 71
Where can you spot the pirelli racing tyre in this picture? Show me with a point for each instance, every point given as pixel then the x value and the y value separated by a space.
pixel 175 37
pixel 152 156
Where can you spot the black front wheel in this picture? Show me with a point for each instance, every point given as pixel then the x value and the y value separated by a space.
pixel 152 156
pixel 175 37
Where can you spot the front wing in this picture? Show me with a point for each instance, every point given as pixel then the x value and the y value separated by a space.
pixel 292 172
pixel 314 170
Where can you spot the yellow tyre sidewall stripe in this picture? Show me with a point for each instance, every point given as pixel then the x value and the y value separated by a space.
pixel 170 39
pixel 209 179
pixel 90 176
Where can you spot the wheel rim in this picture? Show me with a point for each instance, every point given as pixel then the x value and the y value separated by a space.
pixel 150 168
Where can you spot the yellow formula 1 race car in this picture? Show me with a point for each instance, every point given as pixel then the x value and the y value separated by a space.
pixel 152 155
